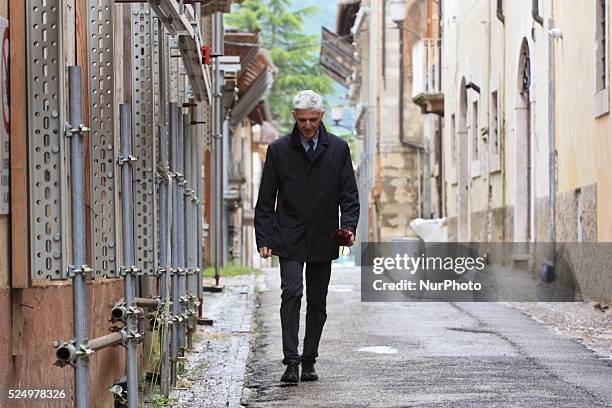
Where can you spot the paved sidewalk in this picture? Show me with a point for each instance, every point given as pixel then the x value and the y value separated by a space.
pixel 214 370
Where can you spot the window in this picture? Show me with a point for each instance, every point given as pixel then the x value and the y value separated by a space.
pixel 602 79
pixel 474 140
pixel 494 140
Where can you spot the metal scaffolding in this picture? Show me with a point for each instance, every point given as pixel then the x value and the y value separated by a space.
pixel 158 195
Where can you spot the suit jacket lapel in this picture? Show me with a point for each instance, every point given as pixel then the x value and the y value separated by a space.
pixel 297 143
pixel 321 144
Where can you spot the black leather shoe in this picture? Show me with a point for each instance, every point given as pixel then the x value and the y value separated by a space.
pixel 291 374
pixel 308 373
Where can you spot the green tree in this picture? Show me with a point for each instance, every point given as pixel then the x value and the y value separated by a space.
pixel 295 54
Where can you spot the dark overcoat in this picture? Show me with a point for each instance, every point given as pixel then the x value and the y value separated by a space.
pixel 308 196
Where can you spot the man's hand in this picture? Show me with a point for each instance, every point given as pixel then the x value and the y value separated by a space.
pixel 265 252
pixel 352 238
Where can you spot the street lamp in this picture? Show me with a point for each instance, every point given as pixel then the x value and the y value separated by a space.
pixel 397 12
pixel 336 113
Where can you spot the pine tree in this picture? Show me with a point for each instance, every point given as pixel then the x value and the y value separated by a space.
pixel 295 54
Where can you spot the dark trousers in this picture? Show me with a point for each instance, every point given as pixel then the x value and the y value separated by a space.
pixel 317 281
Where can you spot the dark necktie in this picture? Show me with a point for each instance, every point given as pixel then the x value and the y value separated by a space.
pixel 311 150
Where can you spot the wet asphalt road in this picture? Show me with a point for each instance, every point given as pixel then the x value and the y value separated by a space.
pixel 425 355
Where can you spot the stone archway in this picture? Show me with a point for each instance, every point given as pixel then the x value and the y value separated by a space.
pixel 524 109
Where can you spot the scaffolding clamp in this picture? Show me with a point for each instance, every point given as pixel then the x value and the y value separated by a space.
pixel 121 311
pixel 180 179
pixel 69 130
pixel 124 270
pixel 121 160
pixel 163 171
pixel 130 336
pixel 72 271
pixel 67 352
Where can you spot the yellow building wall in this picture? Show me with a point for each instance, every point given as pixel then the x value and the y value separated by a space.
pixel 480 48
pixel 583 141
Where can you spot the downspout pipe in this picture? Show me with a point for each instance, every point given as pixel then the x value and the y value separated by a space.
pixel 535 12
pixel 500 11
pixel 547 270
pixel 441 175
pixel 405 142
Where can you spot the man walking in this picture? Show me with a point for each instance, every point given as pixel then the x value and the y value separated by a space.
pixel 309 175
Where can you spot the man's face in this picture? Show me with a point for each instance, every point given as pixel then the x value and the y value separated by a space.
pixel 308 121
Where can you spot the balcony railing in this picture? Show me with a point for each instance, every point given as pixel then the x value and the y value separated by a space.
pixel 426 86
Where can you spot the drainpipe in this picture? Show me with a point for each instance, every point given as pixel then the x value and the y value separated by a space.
pixel 403 140
pixel 500 11
pixel 535 12
pixel 488 145
pixel 441 172
pixel 406 142
pixel 547 269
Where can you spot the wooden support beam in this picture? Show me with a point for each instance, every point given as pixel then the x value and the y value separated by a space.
pixel 20 253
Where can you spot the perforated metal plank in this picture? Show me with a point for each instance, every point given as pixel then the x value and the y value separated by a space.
pixel 158 125
pixel 103 183
pixel 207 129
pixel 46 141
pixel 174 88
pixel 145 140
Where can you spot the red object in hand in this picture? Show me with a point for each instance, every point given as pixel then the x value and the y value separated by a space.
pixel 205 51
pixel 342 237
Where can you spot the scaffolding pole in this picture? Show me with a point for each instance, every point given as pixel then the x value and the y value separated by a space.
pixel 129 269
pixel 199 197
pixel 173 119
pixel 217 117
pixel 163 258
pixel 181 224
pixel 164 215
pixel 79 288
pixel 189 224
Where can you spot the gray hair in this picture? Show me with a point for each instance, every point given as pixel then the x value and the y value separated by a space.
pixel 308 100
